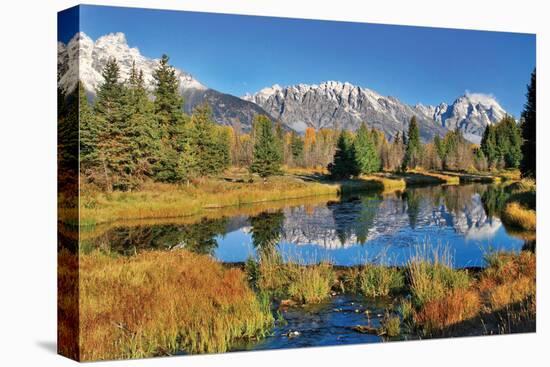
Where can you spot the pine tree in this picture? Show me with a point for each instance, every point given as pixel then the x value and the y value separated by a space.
pixel 211 145
pixel 88 134
pixel 114 142
pixel 167 108
pixel 489 145
pixel 296 147
pixel 344 163
pixel 168 102
pixel 528 165
pixel 413 149
pixel 366 152
pixel 510 141
pixel 142 126
pixel 267 156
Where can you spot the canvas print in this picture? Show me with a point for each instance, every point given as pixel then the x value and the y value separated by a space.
pixel 241 183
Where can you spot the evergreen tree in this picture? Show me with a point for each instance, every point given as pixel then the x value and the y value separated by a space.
pixel 413 149
pixel 345 161
pixel 267 156
pixel 528 165
pixel 440 148
pixel 489 145
pixel 168 102
pixel 167 108
pixel 142 126
pixel 114 141
pixel 366 152
pixel 296 147
pixel 210 145
pixel 509 141
pixel 88 134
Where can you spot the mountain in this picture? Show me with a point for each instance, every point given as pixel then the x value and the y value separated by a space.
pixel 334 104
pixel 227 109
pixel 330 104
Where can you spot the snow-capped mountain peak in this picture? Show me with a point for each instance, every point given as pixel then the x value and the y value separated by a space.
pixel 84 59
pixel 338 104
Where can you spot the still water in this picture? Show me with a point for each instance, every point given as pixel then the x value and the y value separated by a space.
pixel 346 231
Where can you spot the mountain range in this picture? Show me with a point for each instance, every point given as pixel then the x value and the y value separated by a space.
pixel 331 104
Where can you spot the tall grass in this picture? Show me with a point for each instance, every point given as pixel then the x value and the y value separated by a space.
pixel 431 275
pixel 158 303
pixel 301 283
pixel 374 280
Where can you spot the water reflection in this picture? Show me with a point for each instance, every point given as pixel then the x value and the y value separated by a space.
pixel 349 231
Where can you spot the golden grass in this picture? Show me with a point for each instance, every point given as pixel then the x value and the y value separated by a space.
pixel 424 176
pixel 384 182
pixel 158 200
pixel 391 325
pixel 158 303
pixel 514 214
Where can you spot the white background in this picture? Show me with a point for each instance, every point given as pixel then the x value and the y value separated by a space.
pixel 28 181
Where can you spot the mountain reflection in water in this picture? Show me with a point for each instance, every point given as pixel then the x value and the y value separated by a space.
pixel 355 229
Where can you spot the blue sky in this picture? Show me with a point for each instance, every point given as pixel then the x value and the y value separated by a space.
pixel 240 54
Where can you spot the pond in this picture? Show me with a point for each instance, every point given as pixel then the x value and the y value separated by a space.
pixel 346 231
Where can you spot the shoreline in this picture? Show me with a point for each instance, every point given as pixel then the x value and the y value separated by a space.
pixel 173 202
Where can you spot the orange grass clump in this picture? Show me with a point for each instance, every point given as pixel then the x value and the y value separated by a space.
pixel 441 313
pixel 157 303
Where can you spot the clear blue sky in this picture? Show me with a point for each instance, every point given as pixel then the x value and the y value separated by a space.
pixel 239 54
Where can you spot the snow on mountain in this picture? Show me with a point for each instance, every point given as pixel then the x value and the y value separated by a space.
pixel 334 104
pixel 331 104
pixel 84 59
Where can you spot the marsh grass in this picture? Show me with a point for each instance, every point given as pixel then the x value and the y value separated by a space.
pixel 431 275
pixel 157 303
pixel 302 283
pixel 158 200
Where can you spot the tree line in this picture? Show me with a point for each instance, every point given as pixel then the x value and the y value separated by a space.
pixel 129 136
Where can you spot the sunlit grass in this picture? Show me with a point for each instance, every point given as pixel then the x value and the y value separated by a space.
pixel 516 215
pixel 158 303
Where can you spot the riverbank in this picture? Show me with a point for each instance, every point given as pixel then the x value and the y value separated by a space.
pixel 236 188
pixel 425 298
pixel 197 305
